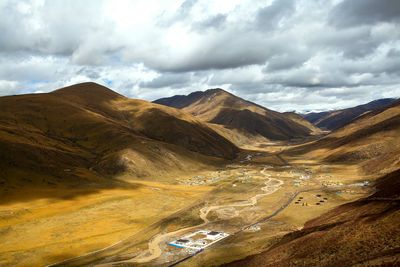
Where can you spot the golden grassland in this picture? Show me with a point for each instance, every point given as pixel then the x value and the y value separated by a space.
pixel 246 243
pixel 48 230
pixel 44 231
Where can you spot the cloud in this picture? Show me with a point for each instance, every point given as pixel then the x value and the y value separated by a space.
pixel 272 16
pixel 284 54
pixel 8 87
pixel 213 22
pixel 176 80
pixel 364 12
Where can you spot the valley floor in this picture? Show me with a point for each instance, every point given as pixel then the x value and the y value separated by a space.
pixel 256 200
pixel 48 230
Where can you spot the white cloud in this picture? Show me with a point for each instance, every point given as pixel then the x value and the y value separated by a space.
pixel 277 53
pixel 8 87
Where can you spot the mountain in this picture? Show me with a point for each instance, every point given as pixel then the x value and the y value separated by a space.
pixel 335 119
pixel 372 140
pixel 89 132
pixel 360 233
pixel 241 117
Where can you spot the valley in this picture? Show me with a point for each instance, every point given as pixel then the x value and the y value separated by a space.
pixel 126 182
pixel 197 133
pixel 250 198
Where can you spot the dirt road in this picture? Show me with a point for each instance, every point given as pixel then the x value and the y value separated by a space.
pixel 271 186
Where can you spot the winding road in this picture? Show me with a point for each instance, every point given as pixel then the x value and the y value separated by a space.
pixel 271 186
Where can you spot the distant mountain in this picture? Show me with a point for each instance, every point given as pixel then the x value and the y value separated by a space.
pixel 335 119
pixel 372 140
pixel 87 131
pixel 241 117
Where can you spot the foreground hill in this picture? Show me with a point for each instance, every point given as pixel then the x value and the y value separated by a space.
pixel 239 117
pixel 372 140
pixel 332 120
pixel 87 131
pixel 361 233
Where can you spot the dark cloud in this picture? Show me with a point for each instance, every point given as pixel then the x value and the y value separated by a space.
pixel 393 53
pixel 214 22
pixel 89 72
pixel 352 13
pixel 270 17
pixel 185 8
pixel 287 60
pixel 176 80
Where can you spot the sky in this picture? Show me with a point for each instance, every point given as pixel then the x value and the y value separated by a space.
pixel 303 55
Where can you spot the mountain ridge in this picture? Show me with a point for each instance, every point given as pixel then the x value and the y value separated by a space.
pixel 218 107
pixel 95 132
pixel 335 119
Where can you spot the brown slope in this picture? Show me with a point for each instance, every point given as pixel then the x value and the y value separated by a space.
pixel 87 131
pixel 156 122
pixel 300 120
pixel 364 233
pixel 220 107
pixel 372 140
pixel 335 119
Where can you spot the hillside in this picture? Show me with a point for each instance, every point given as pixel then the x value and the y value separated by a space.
pixel 241 117
pixel 364 232
pixel 360 233
pixel 371 140
pixel 332 120
pixel 86 132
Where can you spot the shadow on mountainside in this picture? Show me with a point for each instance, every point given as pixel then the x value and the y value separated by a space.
pixel 82 137
pixel 254 123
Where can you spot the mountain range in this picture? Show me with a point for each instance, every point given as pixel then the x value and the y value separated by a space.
pixel 332 120
pixel 87 131
pixel 240 120
pixel 86 135
pixel 372 140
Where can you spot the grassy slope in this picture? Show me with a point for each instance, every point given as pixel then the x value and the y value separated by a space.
pixel 300 120
pixel 371 140
pixel 332 120
pixel 86 132
pixel 242 117
pixel 59 153
pixel 362 232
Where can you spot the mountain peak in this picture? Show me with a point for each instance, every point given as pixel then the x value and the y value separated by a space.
pixel 88 90
pixel 216 90
pixel 218 106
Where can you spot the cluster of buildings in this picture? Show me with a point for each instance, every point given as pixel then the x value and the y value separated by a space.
pixel 198 240
pixel 332 183
pixel 201 180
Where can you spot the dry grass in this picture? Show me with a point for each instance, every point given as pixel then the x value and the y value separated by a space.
pixel 44 231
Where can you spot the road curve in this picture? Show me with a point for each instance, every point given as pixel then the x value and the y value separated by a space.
pixel 271 186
